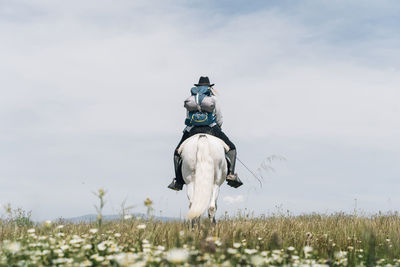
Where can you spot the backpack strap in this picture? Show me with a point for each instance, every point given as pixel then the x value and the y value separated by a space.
pixel 196 98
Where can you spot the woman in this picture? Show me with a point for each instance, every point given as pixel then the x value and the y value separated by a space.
pixel 204 116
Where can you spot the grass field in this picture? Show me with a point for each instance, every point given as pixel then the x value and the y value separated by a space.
pixel 334 240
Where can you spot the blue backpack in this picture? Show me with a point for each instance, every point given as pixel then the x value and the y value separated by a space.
pixel 200 117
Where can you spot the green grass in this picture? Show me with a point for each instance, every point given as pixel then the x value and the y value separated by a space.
pixel 310 239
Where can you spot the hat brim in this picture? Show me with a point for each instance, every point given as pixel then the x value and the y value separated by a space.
pixel 199 84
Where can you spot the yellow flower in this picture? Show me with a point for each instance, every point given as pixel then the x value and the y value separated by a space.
pixel 148 202
pixel 101 192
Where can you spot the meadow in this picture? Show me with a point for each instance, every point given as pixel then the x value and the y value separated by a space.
pixel 280 239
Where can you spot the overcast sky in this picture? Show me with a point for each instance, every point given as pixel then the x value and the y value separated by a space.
pixel 92 97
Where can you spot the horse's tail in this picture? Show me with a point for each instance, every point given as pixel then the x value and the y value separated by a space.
pixel 204 179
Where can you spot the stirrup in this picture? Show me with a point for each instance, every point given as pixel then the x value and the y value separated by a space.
pixel 175 186
pixel 233 180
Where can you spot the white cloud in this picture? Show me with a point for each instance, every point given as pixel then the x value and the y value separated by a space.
pixel 119 65
pixel 231 200
pixel 83 81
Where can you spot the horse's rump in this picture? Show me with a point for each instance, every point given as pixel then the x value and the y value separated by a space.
pixel 204 170
pixel 226 147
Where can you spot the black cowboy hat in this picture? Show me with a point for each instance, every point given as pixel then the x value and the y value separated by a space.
pixel 204 81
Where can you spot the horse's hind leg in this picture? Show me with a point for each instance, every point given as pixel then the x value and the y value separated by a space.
pixel 211 214
pixel 190 191
pixel 195 222
pixel 213 204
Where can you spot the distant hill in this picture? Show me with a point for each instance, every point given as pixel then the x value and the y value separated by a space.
pixel 93 217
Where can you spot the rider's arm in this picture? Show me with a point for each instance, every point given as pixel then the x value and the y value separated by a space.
pixel 217 112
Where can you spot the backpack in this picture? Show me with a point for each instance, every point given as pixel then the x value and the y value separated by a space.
pixel 200 106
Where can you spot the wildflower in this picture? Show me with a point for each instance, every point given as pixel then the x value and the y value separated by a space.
pixel 12 247
pixel 340 254
pixel 76 240
pixel 101 246
pixel 141 226
pixel 146 245
pixel 176 256
pixel 257 260
pixel 101 192
pixel 380 261
pixel 236 245
pixel 290 248
pixel 60 226
pixel 126 259
pixel 307 250
pixel 31 231
pixel 276 251
pixel 250 251
pixel 64 247
pixel 86 263
pixel 97 258
pixel 193 252
pixel 117 235
pixel 231 250
pixel 87 246
pixel 48 223
pixel 127 217
pixel 93 231
pixel 148 202
pixel 58 251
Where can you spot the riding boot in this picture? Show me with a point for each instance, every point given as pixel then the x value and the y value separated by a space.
pixel 232 178
pixel 177 183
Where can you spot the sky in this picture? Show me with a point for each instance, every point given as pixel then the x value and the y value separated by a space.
pixel 92 97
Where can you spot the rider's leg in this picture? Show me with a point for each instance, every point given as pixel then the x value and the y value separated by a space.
pixel 232 178
pixel 178 182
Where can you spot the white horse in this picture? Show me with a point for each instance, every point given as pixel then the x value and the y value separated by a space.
pixel 204 169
